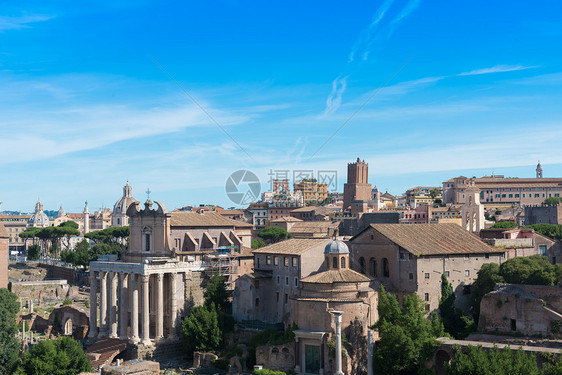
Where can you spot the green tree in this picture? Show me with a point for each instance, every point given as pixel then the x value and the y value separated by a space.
pixel 533 270
pixel 408 337
pixel 63 356
pixel 33 252
pixel 9 345
pixel 455 323
pixel 111 235
pixel 434 193
pixel 201 330
pixel 256 244
pixel 485 282
pixel 504 225
pixel 216 293
pixel 274 234
pixel 477 361
pixel 552 201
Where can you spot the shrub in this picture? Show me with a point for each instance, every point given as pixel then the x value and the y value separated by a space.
pixel 268 372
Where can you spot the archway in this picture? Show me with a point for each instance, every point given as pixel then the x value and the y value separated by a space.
pixel 67 328
pixel 441 358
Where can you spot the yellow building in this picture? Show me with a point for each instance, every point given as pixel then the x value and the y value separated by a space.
pixel 312 190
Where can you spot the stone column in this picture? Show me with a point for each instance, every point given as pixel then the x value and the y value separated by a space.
pixel 145 340
pixel 93 305
pixel 173 306
pixel 103 303
pixel 159 306
pixel 123 306
pixel 134 308
pixel 338 320
pixel 113 305
pixel 370 352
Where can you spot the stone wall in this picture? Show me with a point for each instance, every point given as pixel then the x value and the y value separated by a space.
pixel 195 283
pixel 276 357
pixel 44 290
pixel 4 256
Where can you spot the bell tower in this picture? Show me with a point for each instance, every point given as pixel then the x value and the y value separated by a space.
pixel 539 170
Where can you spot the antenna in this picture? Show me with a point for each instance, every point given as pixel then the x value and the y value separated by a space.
pixel 148 193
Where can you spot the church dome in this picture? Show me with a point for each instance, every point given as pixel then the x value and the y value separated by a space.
pixel 61 212
pixel 336 247
pixel 38 218
pixel 122 204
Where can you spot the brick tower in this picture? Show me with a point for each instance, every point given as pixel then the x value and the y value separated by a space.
pixel 357 187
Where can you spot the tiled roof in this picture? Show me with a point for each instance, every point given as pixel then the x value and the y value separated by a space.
pixel 336 276
pixel 205 219
pixel 285 219
pixel 434 239
pixel 293 246
pixel 312 227
pixel 3 231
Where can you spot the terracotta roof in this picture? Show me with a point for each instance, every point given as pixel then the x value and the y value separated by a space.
pixel 313 227
pixel 318 210
pixel 433 239
pixel 3 231
pixel 293 246
pixel 205 219
pixel 230 212
pixel 336 276
pixel 285 219
pixel 20 217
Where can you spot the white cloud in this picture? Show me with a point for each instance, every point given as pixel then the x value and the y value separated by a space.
pixel 497 69
pixel 333 102
pixel 21 22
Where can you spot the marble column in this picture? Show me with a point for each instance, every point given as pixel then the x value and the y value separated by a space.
pixel 113 305
pixel 103 303
pixel 134 308
pixel 338 320
pixel 173 306
pixel 123 306
pixel 145 340
pixel 93 305
pixel 159 306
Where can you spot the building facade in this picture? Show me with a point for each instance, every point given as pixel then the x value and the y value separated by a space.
pixel 311 190
pixel 4 256
pixel 15 224
pixel 119 216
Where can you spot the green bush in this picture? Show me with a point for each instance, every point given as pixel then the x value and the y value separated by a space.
pixel 221 364
pixel 268 372
pixel 504 225
pixel 67 301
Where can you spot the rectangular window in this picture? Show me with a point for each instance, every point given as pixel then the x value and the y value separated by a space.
pixel 276 260
pixel 426 297
pixel 411 276
pixel 286 280
pixel 467 272
pixel 487 256
pixel 278 279
pixel 427 275
pixel 447 273
pixel 296 281
pixel 294 261
pixel 268 259
pixel 467 257
pixel 410 256
pixel 277 296
pixel 516 195
pixel 257 302
pixel 542 250
pixel 401 255
pixel 286 261
pixel 503 195
pixel 286 298
pixel 511 195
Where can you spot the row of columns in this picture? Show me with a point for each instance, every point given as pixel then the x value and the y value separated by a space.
pixel 115 310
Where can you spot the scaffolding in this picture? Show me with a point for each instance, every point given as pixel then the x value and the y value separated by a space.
pixel 223 261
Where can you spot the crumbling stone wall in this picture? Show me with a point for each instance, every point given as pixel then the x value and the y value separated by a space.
pixel 276 357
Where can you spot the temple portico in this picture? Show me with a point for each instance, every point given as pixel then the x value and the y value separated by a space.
pixel 137 301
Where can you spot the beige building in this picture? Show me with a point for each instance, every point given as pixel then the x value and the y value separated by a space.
pixel 15 224
pixel 119 216
pixel 500 190
pixel 264 294
pixel 311 190
pixel 411 259
pixel 4 256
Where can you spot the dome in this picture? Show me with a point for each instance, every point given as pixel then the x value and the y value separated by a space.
pixel 39 218
pixel 336 247
pixel 125 201
pixel 61 212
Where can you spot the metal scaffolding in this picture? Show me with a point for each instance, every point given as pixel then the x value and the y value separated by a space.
pixel 222 261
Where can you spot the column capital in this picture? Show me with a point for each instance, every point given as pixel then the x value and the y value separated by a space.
pixel 145 278
pixel 159 277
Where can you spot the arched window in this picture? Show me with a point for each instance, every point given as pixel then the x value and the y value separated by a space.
pixel 362 265
pixel 147 238
pixel 335 263
pixel 342 262
pixel 385 268
pixel 373 264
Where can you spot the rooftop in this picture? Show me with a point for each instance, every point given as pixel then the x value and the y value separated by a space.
pixel 433 239
pixel 205 219
pixel 293 246
pixel 344 275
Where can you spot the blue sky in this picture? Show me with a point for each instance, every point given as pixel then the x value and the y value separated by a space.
pixel 422 90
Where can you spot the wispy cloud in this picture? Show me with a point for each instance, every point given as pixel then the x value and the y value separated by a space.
pixel 334 99
pixel 367 34
pixel 540 80
pixel 21 22
pixel 497 69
